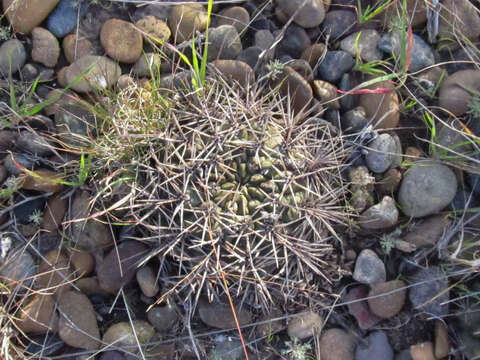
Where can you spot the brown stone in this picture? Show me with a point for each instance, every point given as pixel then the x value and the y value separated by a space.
pixel 442 344
pixel 386 300
pixel 54 213
pixel 24 15
pixel 297 90
pixel 422 351
pixel 82 262
pixel 43 180
pixel 382 108
pixel 337 344
pixel 154 29
pixel 304 325
pixel 184 20
pixel 75 47
pixel 39 316
pixel 121 40
pixel 428 231
pixel 236 16
pixel 236 70
pixel 54 273
pixel 46 49
pixel 314 53
pixel 416 13
pixel 455 92
pixel 389 182
pixel 220 316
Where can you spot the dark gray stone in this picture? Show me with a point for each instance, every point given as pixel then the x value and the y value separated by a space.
pixel 429 291
pixel 334 65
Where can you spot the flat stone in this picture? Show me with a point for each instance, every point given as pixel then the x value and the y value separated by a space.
pixel 220 315
pixel 381 152
pixel 297 89
pixel 121 40
pixel 78 324
pixel 369 269
pixel 388 298
pixel 380 216
pixel 18 269
pixel 43 181
pixel 427 187
pixel 337 344
pixel 313 54
pixel 382 108
pixel 236 70
pixel 122 335
pixel 12 57
pixel 82 262
pixel 38 316
pixel 54 272
pixel 304 325
pixel 307 14
pixel 422 351
pixel 25 15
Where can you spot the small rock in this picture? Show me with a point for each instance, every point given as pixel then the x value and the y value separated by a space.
pixel 113 355
pixel 263 39
pixel 38 316
pixel 362 44
pixel 121 40
pixel 122 334
pixel 270 323
pixel 90 286
pixel 361 199
pixel 404 355
pixel 422 54
pixel 33 143
pixel 43 180
pixel 236 16
pixel 354 120
pixel 220 316
pixel 429 291
pixel 382 108
pixel 103 73
pixel 54 272
pixel 337 344
pixel 326 93
pixel 250 56
pixel 76 47
pixel 12 57
pixel 185 20
pixel 381 152
pixel 147 281
pixel 428 231
pixel 46 49
pixel 227 349
pixel 54 212
pixel 387 299
pixel 390 182
pixel 338 23
pixel 313 54
pixel 297 88
pixel 224 43
pixel 147 65
pixel 347 102
pixel 369 269
pixel 358 307
pixel 155 28
pixel 25 15
pixel 127 255
pixel 416 13
pixel 453 95
pixel 18 268
pixel 163 318
pixel 304 325
pixel 427 187
pixel 82 262
pixel 380 216
pixel 64 17
pixel 303 68
pixel 294 43
pixel 334 65
pixel 442 344
pixel 374 346
pixel 422 351
pixel 125 81
pixel 236 70
pixel 307 14
pixel 44 345
pixel 77 326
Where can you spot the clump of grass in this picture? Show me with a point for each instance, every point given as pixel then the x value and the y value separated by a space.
pixel 227 184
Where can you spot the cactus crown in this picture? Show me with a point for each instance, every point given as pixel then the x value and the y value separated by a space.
pixel 235 190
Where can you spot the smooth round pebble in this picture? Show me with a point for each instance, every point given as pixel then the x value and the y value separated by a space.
pixel 337 344
pixel 147 281
pixel 12 57
pixel 369 269
pixel 386 299
pixel 121 40
pixel 374 346
pixel 46 49
pixel 381 152
pixel 304 325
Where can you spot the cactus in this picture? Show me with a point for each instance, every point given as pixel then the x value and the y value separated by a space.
pixel 235 189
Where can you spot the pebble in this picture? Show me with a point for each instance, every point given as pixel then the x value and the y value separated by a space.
pixel 359 309
pixel 103 73
pixel 338 23
pixel 361 199
pixel 429 291
pixel 297 88
pixel 304 325
pixel 347 102
pixel 17 269
pixel 64 17
pixel 154 29
pixel 220 316
pixel 24 211
pixel 381 152
pixel 422 53
pixel 326 93
pixel 263 39
pixel 334 65
pixel 82 262
pixel 449 26
pixel 163 318
pixel 416 13
pixel 369 269
pixel 427 187
pixel 184 20
pixel 76 47
pixel 452 94
pixel 374 346
pixel 227 348
pixel 46 49
pixel 452 140
pixel 294 43
pixel 54 272
pixel 128 254
pixel 121 41
pixel 44 345
pixel 313 54
pixel 12 57
pixel 337 344
pixel 383 109
pixel 26 15
pixel 354 120
pixel 113 355
pixel 236 70
pixel 122 335
pixel 224 43
pixel 38 316
pixel 147 281
pixel 303 68
pixel 387 299
pixel 147 65
pixel 389 183
pixel 422 351
pixel 363 44
pixel 43 181
pixel 236 16
pixel 77 326
pixel 404 355
pixel 307 14
pixel 250 56
pixel 428 232
pixel 442 344
pixel 33 143
pixel 380 216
